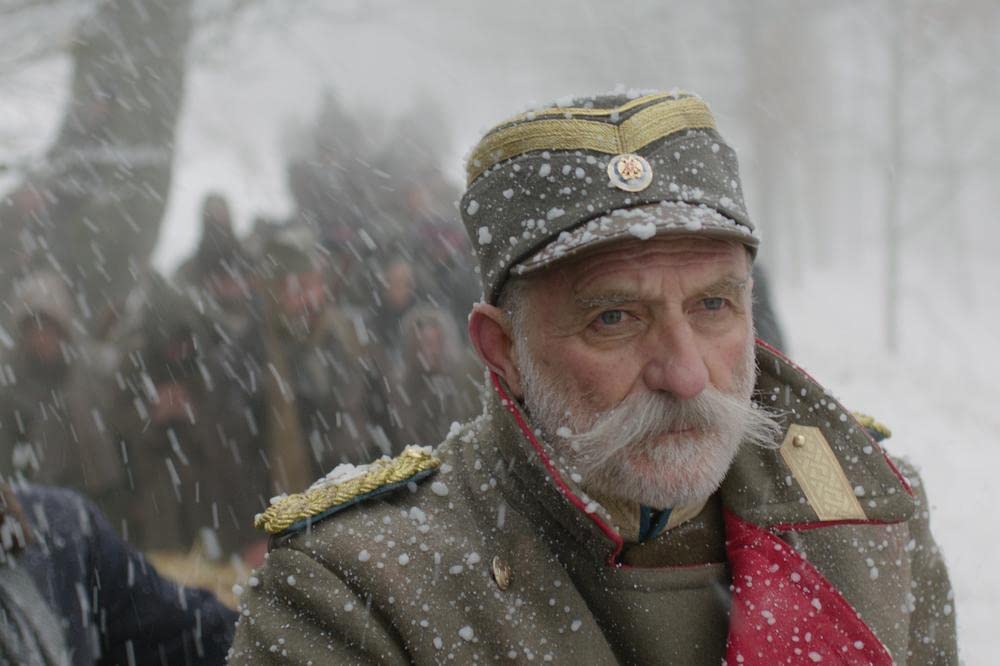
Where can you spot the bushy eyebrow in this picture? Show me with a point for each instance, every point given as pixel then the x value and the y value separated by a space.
pixel 728 286
pixel 607 300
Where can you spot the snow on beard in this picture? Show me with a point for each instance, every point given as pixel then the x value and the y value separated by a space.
pixel 650 448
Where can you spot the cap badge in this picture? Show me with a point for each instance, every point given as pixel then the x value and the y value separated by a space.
pixel 630 172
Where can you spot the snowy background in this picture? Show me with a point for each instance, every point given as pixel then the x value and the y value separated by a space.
pixel 805 95
pixel 939 396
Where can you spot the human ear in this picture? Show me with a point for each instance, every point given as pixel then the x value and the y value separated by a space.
pixel 489 331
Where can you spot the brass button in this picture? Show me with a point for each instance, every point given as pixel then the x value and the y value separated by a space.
pixel 501 573
pixel 799 441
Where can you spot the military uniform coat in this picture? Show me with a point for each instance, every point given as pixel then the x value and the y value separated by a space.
pixel 816 552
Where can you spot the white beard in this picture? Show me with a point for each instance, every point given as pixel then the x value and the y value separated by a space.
pixel 634 452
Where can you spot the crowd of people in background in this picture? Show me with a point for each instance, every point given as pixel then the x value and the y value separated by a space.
pixel 264 361
pixel 261 364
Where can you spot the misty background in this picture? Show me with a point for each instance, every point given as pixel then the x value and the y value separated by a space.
pixel 868 136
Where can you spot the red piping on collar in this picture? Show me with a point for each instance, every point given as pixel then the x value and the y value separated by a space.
pixel 892 466
pixel 608 531
pixel 816 524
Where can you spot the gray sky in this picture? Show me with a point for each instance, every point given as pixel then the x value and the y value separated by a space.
pixel 478 61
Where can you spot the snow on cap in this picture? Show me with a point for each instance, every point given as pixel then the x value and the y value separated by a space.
pixel 548 184
pixel 667 218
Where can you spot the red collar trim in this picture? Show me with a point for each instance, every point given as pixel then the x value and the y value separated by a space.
pixel 608 531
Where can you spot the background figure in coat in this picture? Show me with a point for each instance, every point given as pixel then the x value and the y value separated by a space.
pixel 55 397
pixel 321 372
pixel 186 413
pixel 221 272
pixel 440 381
pixel 87 598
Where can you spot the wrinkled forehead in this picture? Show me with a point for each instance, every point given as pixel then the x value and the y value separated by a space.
pixel 687 254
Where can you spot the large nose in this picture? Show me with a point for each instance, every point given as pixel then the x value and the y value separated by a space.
pixel 676 364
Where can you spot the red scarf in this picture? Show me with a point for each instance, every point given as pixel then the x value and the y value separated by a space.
pixel 785 611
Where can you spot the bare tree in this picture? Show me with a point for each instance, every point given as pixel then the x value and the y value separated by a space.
pixel 91 209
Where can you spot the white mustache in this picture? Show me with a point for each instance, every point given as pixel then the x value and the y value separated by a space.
pixel 648 417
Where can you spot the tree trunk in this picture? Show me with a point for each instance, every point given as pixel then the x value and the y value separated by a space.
pixel 92 211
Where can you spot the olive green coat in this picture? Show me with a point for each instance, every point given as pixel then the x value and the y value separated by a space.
pixel 411 577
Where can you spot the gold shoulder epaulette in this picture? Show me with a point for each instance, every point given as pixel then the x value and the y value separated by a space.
pixel 333 493
pixel 876 427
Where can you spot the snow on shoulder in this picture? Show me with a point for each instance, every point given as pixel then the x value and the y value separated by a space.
pixel 345 486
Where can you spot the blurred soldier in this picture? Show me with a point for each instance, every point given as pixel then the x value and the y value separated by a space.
pixel 218 244
pixel 72 592
pixel 220 270
pixel 440 379
pixel 54 397
pixel 397 297
pixel 187 414
pixel 447 259
pixel 320 370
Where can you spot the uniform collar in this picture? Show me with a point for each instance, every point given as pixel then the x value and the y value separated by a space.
pixel 827 471
pixel 639 524
pixel 535 481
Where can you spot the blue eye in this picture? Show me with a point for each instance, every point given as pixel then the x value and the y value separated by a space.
pixel 713 303
pixel 611 317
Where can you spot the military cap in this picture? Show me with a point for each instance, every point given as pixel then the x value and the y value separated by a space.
pixel 548 184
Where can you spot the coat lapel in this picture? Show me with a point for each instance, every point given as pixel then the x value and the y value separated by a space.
pixel 535 473
pixel 827 470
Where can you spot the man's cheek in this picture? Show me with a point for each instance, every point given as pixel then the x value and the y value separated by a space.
pixel 728 362
pixel 599 385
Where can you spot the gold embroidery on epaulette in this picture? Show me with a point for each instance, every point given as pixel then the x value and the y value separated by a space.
pixel 646 126
pixel 870 422
pixel 817 470
pixel 286 512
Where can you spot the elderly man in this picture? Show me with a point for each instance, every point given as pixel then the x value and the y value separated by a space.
pixel 638 489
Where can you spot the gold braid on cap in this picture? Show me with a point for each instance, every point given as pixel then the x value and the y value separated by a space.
pixel 322 498
pixel 595 130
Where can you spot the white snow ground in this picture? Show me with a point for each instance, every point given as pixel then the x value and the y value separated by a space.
pixel 940 395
